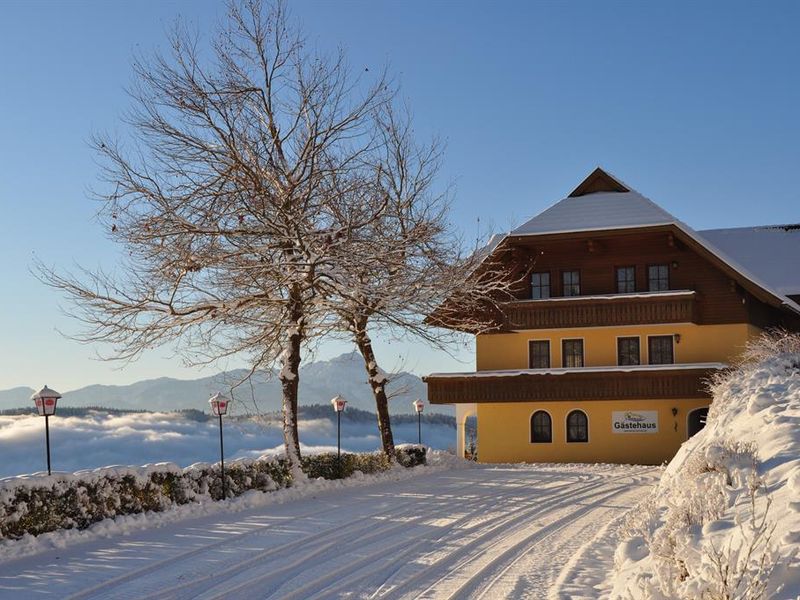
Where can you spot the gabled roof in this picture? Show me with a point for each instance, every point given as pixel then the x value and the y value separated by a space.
pixel 604 203
pixel 586 210
pixel 599 181
pixel 772 251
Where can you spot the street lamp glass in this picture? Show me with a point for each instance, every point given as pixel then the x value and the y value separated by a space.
pixel 419 405
pixel 45 400
pixel 338 403
pixel 219 404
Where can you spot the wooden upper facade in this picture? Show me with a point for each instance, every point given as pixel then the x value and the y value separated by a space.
pixel 581 246
pixel 578 384
pixel 693 286
pixel 604 258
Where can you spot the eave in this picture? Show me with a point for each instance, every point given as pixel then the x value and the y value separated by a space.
pixel 639 382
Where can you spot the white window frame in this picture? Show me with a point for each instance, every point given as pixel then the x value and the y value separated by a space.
pixel 530 427
pixel 549 345
pixel 566 426
pixel 639 337
pixel 569 339
pixel 674 349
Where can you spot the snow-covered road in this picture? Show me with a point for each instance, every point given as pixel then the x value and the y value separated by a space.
pixel 521 531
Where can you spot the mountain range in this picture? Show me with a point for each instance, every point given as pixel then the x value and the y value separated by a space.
pixel 319 382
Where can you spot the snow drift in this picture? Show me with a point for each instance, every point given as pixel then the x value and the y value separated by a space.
pixel 724 522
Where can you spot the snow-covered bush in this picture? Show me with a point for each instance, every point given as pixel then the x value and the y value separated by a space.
pixel 327 465
pixel 41 503
pixel 724 522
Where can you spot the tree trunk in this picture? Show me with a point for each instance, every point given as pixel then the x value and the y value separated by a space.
pixel 377 382
pixel 290 380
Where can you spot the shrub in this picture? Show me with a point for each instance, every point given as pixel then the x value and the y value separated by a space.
pixel 327 465
pixel 39 504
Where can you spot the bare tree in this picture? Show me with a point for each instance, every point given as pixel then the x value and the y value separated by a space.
pixel 239 188
pixel 407 272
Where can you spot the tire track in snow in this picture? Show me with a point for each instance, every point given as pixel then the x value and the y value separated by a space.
pixel 158 588
pixel 496 531
pixel 499 565
pixel 471 553
pixel 394 568
pixel 299 567
pixel 582 577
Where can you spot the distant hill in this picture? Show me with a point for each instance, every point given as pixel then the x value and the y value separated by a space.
pixel 18 396
pixel 319 382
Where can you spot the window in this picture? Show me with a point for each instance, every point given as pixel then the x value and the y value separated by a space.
pixel 626 280
pixel 572 353
pixel 571 281
pixel 540 285
pixel 658 278
pixel 541 428
pixel 577 426
pixel 539 354
pixel 659 350
pixel 628 351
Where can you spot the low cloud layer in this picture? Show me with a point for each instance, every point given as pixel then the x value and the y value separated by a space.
pixel 102 439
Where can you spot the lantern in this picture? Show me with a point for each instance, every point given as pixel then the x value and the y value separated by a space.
pixel 338 404
pixel 219 404
pixel 46 400
pixel 219 408
pixel 419 406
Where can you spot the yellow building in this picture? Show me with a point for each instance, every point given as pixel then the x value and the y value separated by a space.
pixel 620 316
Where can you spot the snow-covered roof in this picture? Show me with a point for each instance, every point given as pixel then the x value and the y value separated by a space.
pixel 597 211
pixel 771 251
pixel 603 202
pixel 576 370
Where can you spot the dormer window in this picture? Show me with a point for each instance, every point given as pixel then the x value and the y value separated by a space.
pixel 540 285
pixel 571 283
pixel 658 278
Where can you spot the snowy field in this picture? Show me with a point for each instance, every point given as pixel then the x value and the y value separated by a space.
pixel 518 531
pixel 100 438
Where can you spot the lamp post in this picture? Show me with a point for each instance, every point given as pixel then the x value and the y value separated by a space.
pixel 338 405
pixel 419 406
pixel 46 400
pixel 219 407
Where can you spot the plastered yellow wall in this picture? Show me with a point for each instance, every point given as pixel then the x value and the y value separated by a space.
pixel 698 343
pixel 504 432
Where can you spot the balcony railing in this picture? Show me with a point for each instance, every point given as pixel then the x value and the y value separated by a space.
pixel 599 311
pixel 609 383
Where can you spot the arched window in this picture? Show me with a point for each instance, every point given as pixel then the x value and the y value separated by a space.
pixel 541 428
pixel 697 420
pixel 577 426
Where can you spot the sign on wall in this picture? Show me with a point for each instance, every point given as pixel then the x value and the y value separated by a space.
pixel 634 421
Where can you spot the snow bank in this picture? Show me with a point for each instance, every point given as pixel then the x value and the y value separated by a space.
pixel 724 522
pixel 204 506
pixel 38 504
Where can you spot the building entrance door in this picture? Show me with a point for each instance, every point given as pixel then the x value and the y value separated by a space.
pixel 697 420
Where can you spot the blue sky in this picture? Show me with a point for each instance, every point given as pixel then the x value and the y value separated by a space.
pixel 693 104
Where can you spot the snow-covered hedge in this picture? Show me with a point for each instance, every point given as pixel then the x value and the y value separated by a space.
pixel 40 503
pixel 724 522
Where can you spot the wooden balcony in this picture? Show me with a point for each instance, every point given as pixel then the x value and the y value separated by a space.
pixel 601 311
pixel 589 383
